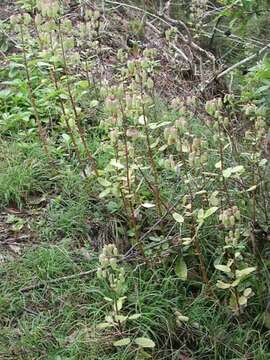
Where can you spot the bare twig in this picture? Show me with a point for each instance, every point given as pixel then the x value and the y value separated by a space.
pixel 57 280
pixel 187 41
pixel 235 66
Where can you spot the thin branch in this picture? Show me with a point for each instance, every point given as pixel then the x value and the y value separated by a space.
pixel 235 66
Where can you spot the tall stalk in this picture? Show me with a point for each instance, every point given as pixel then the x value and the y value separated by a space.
pixel 70 132
pixel 42 134
pixel 73 104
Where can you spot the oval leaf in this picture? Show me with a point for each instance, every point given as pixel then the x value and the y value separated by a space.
pixel 181 269
pixel 210 212
pixel 144 342
pixel 148 205
pixel 122 342
pixel 177 217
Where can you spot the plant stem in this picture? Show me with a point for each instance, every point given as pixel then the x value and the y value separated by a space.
pixel 77 119
pixel 41 132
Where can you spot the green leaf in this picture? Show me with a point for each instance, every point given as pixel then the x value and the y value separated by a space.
pixel 242 300
pixel 181 269
pixel 227 172
pixel 120 302
pixel 210 212
pixel 134 317
pixel 94 103
pixel 104 325
pixel 116 164
pixel 122 342
pixel 154 126
pixel 223 268
pixel 200 214
pixel 144 342
pixel 252 188
pixel 66 138
pixel 103 182
pixel 245 272
pixel 238 169
pixel 104 193
pixel 121 318
pixel 148 205
pixel 223 285
pixel 177 217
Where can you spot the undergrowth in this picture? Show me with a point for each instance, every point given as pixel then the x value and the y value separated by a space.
pixel 150 215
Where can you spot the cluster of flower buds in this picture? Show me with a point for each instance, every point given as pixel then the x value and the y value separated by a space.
pixel 197 10
pixel 250 109
pixel 195 160
pixel 90 28
pixel 213 107
pixel 50 8
pixel 109 268
pixel 171 135
pixel 230 216
pixel 232 240
pixel 108 255
pixel 133 133
pixel 181 124
pixel 260 127
pixel 169 163
pixel 122 55
pixel 20 19
pixel 114 135
pixel 191 101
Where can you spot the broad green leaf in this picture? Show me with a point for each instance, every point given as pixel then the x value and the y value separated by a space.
pixel 116 164
pixel 263 162
pixel 94 103
pixel 122 342
pixel 227 172
pixel 210 212
pixel 248 292
pixel 134 316
pixel 200 214
pixel 104 325
pixel 223 268
pixel 154 126
pixel 223 285
pixel 237 169
pixel 66 138
pixel 252 188
pixel 181 269
pixel 183 318
pixel 245 272
pixel 242 300
pixel 186 241
pixel 144 342
pixel 236 282
pixel 148 205
pixel 120 302
pixel 177 217
pixel 108 299
pixel 218 165
pixel 120 318
pixel 104 193
pixel 103 182
pixel 142 120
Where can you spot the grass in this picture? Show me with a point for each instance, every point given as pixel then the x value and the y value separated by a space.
pixel 24 171
pixel 60 320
